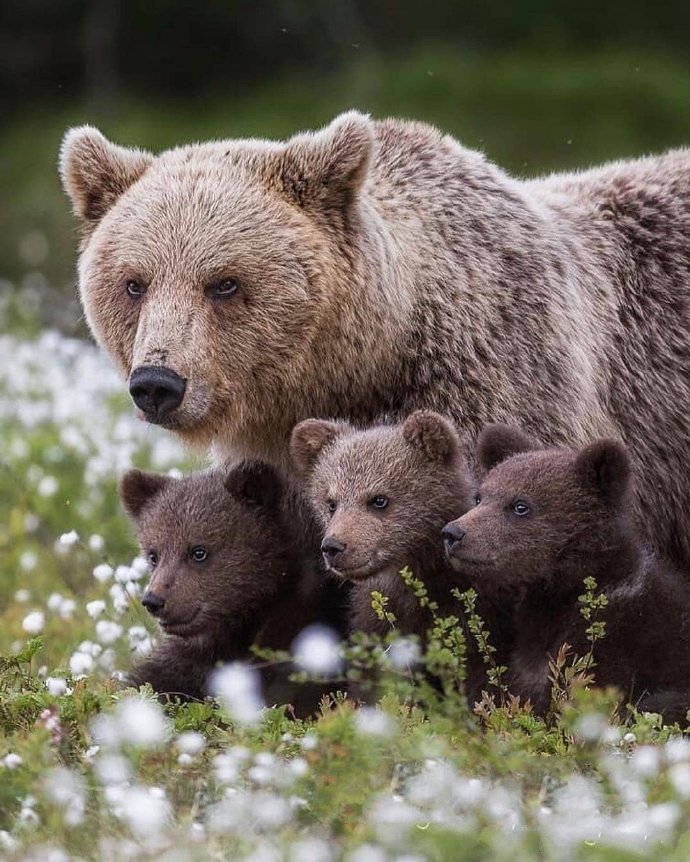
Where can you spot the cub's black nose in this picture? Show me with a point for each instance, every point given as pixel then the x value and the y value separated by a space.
pixel 156 390
pixel 452 534
pixel 331 549
pixel 154 604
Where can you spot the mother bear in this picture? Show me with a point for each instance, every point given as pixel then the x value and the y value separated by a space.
pixel 372 268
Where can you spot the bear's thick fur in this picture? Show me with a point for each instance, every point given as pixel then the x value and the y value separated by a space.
pixel 376 267
pixel 383 495
pixel 232 564
pixel 545 521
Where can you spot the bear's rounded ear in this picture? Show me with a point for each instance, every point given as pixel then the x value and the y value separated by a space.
pixel 604 466
pixel 325 169
pixel 256 484
pixel 498 442
pixel 432 434
pixel 95 172
pixel 137 489
pixel 308 440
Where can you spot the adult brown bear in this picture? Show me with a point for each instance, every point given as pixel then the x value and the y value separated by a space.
pixel 375 268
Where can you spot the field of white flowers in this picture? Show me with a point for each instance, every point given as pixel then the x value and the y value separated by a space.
pixel 91 771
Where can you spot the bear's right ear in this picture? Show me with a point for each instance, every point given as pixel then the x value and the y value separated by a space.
pixel 95 172
pixel 308 440
pixel 324 170
pixel 255 483
pixel 138 488
pixel 498 442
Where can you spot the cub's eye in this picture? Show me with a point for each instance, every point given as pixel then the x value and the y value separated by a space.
pixel 134 288
pixel 520 508
pixel 379 502
pixel 331 506
pixel 477 499
pixel 198 554
pixel 152 557
pixel 222 289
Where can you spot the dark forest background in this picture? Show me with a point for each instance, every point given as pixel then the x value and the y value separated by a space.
pixel 538 86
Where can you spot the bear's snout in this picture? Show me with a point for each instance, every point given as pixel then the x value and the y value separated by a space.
pixel 453 534
pixel 331 549
pixel 154 604
pixel 156 391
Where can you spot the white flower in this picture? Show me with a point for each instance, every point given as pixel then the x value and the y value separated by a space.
pixel 142 722
pixel 68 540
pixel 124 574
pixel 11 761
pixel 96 542
pixel 317 650
pixel 367 853
pixel 48 486
pixel 95 609
pixel 67 609
pixel 238 687
pixel 56 685
pixel 145 812
pixel 108 631
pixel 80 663
pixel 191 742
pixel 403 653
pixel 33 623
pixel 373 722
pixel 28 561
pixel 22 596
pixel 103 572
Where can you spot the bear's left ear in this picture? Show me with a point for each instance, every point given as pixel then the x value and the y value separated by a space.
pixel 324 170
pixel 498 442
pixel 604 466
pixel 432 434
pixel 138 488
pixel 309 438
pixel 256 484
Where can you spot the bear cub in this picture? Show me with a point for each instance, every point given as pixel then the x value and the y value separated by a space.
pixel 231 565
pixel 545 520
pixel 383 495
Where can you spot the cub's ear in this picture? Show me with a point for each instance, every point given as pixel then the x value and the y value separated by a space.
pixel 431 433
pixel 308 440
pixel 604 466
pixel 138 488
pixel 95 172
pixel 324 170
pixel 256 484
pixel 498 442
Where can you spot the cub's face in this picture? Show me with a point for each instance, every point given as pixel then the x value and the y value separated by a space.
pixel 214 547
pixel 383 494
pixel 539 514
pixel 206 272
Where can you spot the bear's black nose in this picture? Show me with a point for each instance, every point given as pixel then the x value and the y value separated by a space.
pixel 156 390
pixel 331 549
pixel 452 534
pixel 154 604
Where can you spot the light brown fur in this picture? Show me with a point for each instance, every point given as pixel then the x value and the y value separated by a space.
pixel 382 268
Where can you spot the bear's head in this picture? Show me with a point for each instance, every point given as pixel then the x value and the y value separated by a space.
pixel 216 545
pixel 206 272
pixel 383 494
pixel 543 515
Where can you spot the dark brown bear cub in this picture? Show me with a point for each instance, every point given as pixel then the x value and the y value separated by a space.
pixel 383 495
pixel 546 520
pixel 232 565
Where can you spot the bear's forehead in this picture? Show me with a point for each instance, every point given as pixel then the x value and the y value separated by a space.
pixel 539 474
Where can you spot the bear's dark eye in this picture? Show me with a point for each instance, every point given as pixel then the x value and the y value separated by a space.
pixel 222 289
pixel 520 508
pixel 379 501
pixel 198 554
pixel 134 288
pixel 331 506
pixel 477 499
pixel 152 557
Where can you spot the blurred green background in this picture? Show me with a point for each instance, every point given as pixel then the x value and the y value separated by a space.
pixel 538 86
